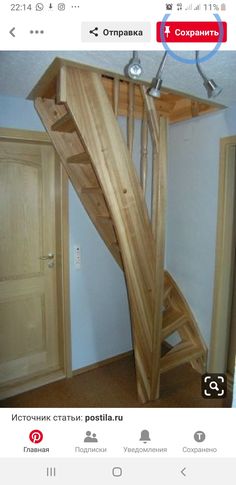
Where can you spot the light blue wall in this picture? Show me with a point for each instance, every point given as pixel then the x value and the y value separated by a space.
pixel 99 307
pixel 18 113
pixel 192 207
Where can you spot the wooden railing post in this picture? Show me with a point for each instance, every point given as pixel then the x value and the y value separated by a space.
pixel 130 137
pixel 116 95
pixel 144 152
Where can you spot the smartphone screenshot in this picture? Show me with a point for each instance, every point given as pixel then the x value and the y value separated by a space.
pixel 117 242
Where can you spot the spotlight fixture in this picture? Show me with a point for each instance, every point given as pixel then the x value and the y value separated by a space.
pixel 212 89
pixel 155 88
pixel 134 68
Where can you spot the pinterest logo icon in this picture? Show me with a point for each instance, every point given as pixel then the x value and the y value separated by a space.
pixel 36 436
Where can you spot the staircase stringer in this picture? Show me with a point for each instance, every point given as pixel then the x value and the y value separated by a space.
pixel 158 130
pixel 100 133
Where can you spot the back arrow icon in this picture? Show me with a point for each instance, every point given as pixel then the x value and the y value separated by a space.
pixel 183 472
pixel 12 31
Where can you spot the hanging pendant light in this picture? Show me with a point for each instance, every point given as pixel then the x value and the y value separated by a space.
pixel 212 89
pixel 134 69
pixel 155 88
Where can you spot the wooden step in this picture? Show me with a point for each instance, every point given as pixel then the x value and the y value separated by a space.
pixel 180 354
pixel 104 219
pixel 82 158
pixel 167 292
pixel 91 190
pixel 65 124
pixel 172 320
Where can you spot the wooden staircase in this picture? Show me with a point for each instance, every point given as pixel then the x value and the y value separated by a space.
pixel 75 105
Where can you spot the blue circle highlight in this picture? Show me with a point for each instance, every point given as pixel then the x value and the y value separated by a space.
pixel 192 61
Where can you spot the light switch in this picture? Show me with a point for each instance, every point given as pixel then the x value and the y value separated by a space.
pixel 77 257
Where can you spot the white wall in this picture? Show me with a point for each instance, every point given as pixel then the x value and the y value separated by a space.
pixel 99 307
pixel 192 207
pixel 18 113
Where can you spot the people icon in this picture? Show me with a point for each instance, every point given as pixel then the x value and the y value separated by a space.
pixel 90 438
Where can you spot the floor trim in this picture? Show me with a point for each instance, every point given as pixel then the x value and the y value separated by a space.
pixel 29 385
pixel 165 345
pixel 102 363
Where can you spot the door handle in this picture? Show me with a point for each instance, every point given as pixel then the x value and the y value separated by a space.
pixel 48 256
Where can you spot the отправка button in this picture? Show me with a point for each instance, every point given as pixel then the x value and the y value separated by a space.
pixel 116 31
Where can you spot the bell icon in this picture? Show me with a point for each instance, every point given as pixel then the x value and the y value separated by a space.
pixel 145 436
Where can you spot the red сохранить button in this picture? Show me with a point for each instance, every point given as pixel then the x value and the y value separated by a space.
pixel 192 31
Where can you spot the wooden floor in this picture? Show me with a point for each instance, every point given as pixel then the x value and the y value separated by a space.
pixel 114 385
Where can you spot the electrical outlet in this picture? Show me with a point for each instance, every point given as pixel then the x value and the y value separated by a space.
pixel 77 257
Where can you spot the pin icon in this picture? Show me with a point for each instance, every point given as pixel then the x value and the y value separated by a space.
pixel 167 31
pixel 36 436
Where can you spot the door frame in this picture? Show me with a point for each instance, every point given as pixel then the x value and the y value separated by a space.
pixel 224 262
pixel 62 238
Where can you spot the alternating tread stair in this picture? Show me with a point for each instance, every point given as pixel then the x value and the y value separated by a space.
pixel 178 318
pixel 75 106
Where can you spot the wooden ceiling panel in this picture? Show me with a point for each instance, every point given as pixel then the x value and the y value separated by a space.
pixel 173 105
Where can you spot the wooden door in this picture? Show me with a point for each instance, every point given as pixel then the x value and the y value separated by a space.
pixel 29 332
